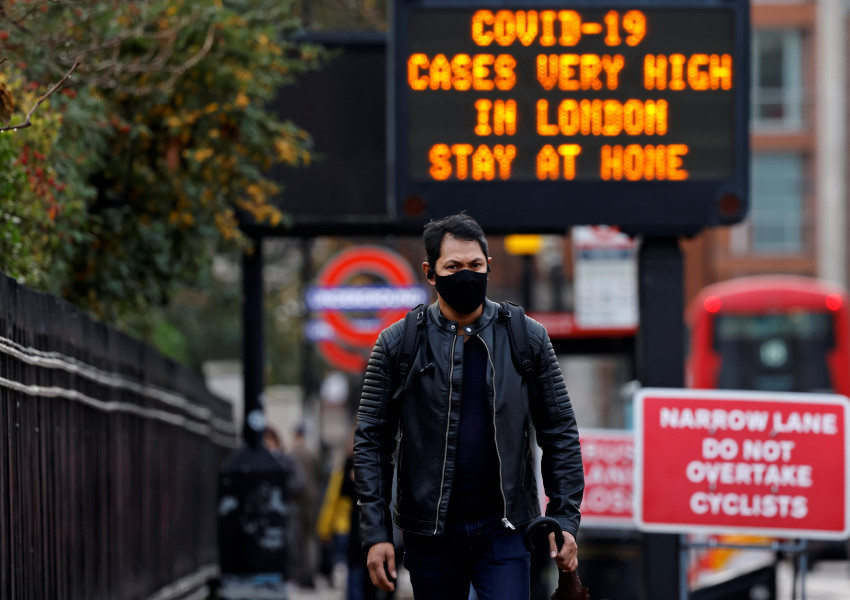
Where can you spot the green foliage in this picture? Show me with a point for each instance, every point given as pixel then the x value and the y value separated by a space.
pixel 159 140
pixel 205 324
pixel 202 325
pixel 149 152
pixel 42 215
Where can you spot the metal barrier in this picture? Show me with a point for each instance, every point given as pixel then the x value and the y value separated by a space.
pixel 109 460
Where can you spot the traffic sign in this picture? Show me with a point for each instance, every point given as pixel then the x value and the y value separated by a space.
pixel 608 457
pixel 605 280
pixel 359 292
pixel 621 112
pixel 771 464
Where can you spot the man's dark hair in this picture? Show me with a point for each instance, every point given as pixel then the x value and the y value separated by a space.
pixel 461 226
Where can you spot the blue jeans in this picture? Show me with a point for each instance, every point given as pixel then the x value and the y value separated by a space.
pixel 482 553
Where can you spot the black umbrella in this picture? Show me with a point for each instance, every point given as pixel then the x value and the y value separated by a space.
pixel 569 585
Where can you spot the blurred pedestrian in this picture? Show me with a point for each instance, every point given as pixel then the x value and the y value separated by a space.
pixel 334 523
pixel 303 562
pixel 295 483
pixel 462 415
pixel 295 476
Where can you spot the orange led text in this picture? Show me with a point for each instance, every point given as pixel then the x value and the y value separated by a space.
pixel 554 28
pixel 463 161
pixel 579 71
pixel 679 72
pixel 557 163
pixel 602 117
pixel 481 72
pixel 496 117
pixel 635 162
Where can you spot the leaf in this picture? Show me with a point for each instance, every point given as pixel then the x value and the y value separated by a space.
pixel 7 104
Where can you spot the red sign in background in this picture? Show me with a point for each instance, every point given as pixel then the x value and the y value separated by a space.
pixel 352 340
pixel 748 462
pixel 608 464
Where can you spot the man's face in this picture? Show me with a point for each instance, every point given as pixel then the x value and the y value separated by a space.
pixel 457 255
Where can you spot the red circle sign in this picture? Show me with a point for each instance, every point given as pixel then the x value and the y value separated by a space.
pixel 352 339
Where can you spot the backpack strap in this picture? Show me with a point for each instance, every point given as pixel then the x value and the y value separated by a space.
pixel 414 322
pixel 514 316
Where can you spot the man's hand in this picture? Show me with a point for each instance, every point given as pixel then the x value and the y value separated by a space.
pixel 380 560
pixel 566 558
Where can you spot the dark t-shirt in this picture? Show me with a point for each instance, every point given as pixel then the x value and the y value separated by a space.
pixel 475 487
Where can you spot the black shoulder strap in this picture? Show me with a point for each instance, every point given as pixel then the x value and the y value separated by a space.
pixel 414 321
pixel 518 336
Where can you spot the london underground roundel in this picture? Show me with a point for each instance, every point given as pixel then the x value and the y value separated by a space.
pixel 359 292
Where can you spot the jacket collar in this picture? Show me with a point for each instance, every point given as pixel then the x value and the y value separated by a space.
pixel 491 310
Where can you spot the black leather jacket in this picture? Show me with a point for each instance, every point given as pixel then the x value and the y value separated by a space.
pixel 423 413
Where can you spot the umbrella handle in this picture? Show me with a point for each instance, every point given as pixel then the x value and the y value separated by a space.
pixel 548 524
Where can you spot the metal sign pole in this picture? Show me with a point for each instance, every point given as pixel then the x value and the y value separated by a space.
pixel 797 548
pixel 684 551
pixel 660 354
pixel 253 345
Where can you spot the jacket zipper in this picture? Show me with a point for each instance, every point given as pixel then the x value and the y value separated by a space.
pixel 507 524
pixel 446 450
pixel 400 456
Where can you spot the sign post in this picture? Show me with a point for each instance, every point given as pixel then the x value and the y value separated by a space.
pixel 660 362
pixel 772 464
pixel 620 113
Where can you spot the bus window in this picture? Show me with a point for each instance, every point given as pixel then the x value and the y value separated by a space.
pixel 778 352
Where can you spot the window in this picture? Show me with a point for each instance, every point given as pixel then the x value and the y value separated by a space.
pixel 776 214
pixel 777 89
pixel 775 352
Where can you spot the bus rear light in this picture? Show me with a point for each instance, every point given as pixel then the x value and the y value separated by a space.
pixel 834 301
pixel 712 304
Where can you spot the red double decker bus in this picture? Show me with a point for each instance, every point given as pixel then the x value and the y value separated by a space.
pixel 770 333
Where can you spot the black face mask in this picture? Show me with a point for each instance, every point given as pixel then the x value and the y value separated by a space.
pixel 464 291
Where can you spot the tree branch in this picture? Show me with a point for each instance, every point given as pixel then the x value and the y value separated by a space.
pixel 50 92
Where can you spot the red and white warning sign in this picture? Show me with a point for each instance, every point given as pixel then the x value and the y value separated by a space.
pixel 608 478
pixel 751 462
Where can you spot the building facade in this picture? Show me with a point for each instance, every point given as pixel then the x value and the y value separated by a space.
pixel 797 222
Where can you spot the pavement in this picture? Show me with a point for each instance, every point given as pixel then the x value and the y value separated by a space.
pixel 827 580
pixel 323 591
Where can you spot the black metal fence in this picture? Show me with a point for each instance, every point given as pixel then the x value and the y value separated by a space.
pixel 109 459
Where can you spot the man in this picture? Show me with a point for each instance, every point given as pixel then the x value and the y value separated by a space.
pixel 466 485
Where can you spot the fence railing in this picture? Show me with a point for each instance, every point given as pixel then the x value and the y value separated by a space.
pixel 109 459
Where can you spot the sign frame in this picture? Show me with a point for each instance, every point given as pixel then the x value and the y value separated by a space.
pixel 771 398
pixel 637 207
